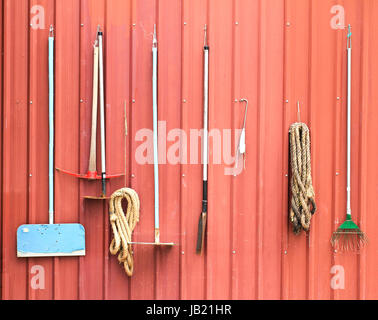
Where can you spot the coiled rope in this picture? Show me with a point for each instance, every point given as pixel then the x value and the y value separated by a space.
pixel 302 192
pixel 123 226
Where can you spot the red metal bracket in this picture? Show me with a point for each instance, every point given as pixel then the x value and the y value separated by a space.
pixel 90 175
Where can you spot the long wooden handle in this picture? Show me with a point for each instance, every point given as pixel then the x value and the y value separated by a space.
pixel 201 233
pixel 92 155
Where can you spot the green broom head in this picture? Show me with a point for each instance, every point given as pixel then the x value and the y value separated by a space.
pixel 349 236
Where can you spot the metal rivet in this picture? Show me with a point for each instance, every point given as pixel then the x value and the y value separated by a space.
pixel 184 101
pixel 288 24
pixel 287 101
pixel 335 251
pixel 285 251
pixel 236 23
pixel 30 175
pixel 337 173
pixel 286 175
pixel 185 23
pixel 31 102
pixel 82 25
pixel 183 175
pixel 134 24
pixel 133 176
pixel 182 252
pixel 338 98
pixel 133 100
pixel 81 100
pixel 234 252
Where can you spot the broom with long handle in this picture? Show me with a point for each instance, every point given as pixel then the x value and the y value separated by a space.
pixel 349 236
pixel 203 216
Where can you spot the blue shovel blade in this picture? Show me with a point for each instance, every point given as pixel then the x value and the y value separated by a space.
pixel 50 240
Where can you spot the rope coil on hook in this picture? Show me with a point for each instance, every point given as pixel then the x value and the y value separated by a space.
pixel 302 203
pixel 123 226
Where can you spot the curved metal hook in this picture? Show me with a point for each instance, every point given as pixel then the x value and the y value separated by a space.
pixel 246 110
pixel 51 30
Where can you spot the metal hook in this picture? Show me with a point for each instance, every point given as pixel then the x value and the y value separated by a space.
pixel 154 41
pixel 298 111
pixel 245 112
pixel 349 37
pixel 205 41
pixel 51 31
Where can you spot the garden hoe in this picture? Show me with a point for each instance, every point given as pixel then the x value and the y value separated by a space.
pixel 155 138
pixel 92 172
pixel 203 216
pixel 51 240
pixel 349 236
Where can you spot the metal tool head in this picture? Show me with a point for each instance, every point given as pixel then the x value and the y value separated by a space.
pixel 158 244
pixel 349 237
pixel 50 240
pixel 96 198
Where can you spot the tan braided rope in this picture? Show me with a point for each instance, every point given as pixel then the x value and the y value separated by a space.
pixel 302 203
pixel 123 226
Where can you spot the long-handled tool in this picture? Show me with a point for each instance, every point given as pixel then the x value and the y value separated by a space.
pixel 92 172
pixel 203 216
pixel 349 236
pixel 155 138
pixel 42 240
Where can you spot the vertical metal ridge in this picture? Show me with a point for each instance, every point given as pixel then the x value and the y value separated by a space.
pixel 156 21
pixel 285 161
pixel 261 148
pixel 339 53
pixel 363 154
pixel 28 142
pixel 312 235
pixel 80 262
pixel 206 284
pixel 1 144
pixel 232 181
pixel 182 281
pixel 129 103
pixel 181 171
pixel 104 204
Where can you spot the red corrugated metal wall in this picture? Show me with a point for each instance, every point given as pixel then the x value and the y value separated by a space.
pixel 273 52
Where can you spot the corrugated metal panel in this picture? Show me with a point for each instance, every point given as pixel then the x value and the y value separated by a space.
pixel 269 51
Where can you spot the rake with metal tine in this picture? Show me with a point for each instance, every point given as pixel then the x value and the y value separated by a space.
pixel 348 236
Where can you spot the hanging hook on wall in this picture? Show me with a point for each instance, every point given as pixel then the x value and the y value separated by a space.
pixel 51 30
pixel 242 145
pixel 241 150
pixel 349 37
pixel 298 111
